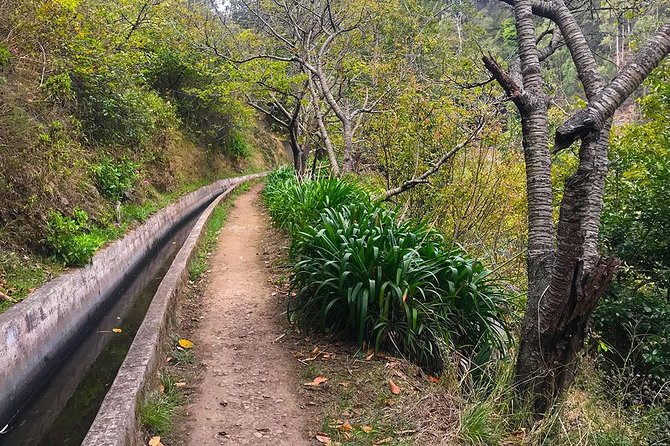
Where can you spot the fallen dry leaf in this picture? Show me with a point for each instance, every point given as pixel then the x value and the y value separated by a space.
pixel 155 441
pixel 180 384
pixel 317 381
pixel 323 438
pixel 117 330
pixel 185 343
pixel 393 387
pixel 345 427
pixel 367 429
pixel 433 379
pixel 383 440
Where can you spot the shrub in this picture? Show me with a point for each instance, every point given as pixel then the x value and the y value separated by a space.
pixel 5 56
pixel 238 147
pixel 114 179
pixel 214 119
pixel 295 205
pixel 116 111
pixel 58 88
pixel 643 340
pixel 397 286
pixel 70 239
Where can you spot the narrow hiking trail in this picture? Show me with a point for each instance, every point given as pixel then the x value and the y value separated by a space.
pixel 246 395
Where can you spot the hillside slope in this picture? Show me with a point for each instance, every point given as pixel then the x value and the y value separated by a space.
pixel 108 110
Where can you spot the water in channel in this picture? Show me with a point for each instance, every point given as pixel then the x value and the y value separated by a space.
pixel 63 407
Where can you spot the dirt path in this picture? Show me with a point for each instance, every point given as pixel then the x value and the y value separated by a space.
pixel 245 396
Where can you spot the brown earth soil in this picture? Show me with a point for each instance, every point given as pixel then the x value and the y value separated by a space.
pixel 246 393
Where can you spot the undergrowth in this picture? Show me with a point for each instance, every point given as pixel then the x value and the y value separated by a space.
pixel 393 285
pixel 71 239
pixel 158 412
pixel 397 286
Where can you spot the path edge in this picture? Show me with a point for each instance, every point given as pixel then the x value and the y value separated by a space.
pixel 117 423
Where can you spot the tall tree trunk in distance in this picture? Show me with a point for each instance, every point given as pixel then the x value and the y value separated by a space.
pixel 347 155
pixel 323 131
pixel 296 150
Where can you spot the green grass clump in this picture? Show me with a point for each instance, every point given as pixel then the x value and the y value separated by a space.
pixel 476 427
pixel 395 285
pixel 5 56
pixel 158 412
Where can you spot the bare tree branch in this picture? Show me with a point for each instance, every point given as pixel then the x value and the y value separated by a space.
pixel 423 178
pixel 594 117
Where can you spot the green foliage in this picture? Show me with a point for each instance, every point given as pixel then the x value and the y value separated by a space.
pixel 395 285
pixel 636 218
pixel 70 238
pixel 238 147
pixel 643 340
pixel 508 31
pixel 294 205
pixel 58 88
pixel 115 178
pixel 204 97
pixel 5 56
pixel 635 227
pixel 112 114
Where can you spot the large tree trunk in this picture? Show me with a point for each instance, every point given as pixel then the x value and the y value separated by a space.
pixel 566 276
pixel 555 322
pixel 347 155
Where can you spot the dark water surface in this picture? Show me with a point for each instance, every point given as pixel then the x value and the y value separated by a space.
pixel 63 407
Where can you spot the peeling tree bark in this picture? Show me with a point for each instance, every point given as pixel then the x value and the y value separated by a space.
pixel 566 275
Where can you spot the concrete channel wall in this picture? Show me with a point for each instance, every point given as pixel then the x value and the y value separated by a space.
pixel 34 332
pixel 116 423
